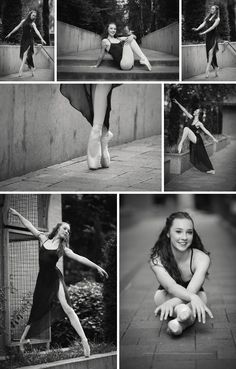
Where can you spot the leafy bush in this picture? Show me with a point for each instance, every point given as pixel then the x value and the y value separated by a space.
pixel 87 301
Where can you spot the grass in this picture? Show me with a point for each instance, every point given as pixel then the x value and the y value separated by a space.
pixel 33 357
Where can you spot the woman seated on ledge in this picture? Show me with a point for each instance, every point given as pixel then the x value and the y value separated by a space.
pixel 121 49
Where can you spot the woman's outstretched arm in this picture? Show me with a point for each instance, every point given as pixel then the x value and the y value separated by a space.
pixel 26 223
pixel 15 29
pixel 200 27
pixel 38 33
pixel 201 125
pixel 183 109
pixel 214 25
pixel 85 261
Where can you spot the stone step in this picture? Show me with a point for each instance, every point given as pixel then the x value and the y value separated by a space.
pixel 79 67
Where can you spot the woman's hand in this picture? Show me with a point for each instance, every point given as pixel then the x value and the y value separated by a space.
pixel 166 309
pixel 199 308
pixel 43 41
pixel 13 212
pixel 202 33
pixel 174 101
pixel 194 29
pixel 215 139
pixel 102 272
pixel 7 36
pixel 129 39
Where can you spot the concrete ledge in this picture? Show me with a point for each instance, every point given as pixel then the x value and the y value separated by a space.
pixel 165 39
pixel 101 361
pixel 71 39
pixel 194 59
pixel 179 163
pixel 10 58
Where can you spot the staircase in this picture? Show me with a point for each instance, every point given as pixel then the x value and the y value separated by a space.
pixel 79 67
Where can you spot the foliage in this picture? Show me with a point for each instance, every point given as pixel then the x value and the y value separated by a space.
pixel 87 301
pixel 232 19
pixel 110 291
pixel 92 218
pixel 210 97
pixel 11 17
pixel 224 29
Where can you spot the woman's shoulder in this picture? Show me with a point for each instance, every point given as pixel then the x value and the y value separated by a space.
pixel 105 41
pixel 156 261
pixel 200 256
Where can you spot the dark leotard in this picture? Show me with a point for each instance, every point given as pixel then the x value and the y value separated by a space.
pixel 212 41
pixel 116 51
pixel 45 294
pixel 27 43
pixel 198 154
pixel 185 283
pixel 80 97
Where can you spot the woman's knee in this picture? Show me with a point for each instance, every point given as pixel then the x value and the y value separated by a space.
pixel 126 65
pixel 160 297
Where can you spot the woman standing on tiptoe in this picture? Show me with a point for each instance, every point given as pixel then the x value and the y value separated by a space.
pixel 180 264
pixel 122 49
pixel 27 40
pixel 211 23
pixel 50 285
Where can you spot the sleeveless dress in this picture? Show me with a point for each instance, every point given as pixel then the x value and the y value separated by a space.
pixel 27 43
pixel 116 51
pixel 198 154
pixel 45 309
pixel 185 283
pixel 80 97
pixel 212 41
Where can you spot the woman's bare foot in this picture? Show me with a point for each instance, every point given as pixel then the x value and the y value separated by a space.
pixel 180 146
pixel 145 61
pixel 211 171
pixel 216 71
pixel 86 347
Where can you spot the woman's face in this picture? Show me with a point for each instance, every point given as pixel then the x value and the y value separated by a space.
pixel 196 112
pixel 111 29
pixel 213 9
pixel 33 15
pixel 181 234
pixel 64 231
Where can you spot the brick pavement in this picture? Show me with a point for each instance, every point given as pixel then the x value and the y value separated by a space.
pixel 225 74
pixel 39 75
pixel 224 162
pixel 135 166
pixel 144 341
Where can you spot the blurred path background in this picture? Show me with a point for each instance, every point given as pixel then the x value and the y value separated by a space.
pixel 144 341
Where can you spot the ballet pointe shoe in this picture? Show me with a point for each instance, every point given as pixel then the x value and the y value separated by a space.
pixel 174 327
pixel 211 171
pixel 105 159
pixel 183 312
pixel 145 61
pixel 86 347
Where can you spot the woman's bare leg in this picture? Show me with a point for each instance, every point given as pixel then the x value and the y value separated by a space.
pixel 210 57
pixel 100 92
pixel 74 320
pixel 23 62
pixel 127 60
pixel 187 133
pixel 22 339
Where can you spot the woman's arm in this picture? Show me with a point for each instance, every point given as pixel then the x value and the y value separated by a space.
pixel 214 25
pixel 183 109
pixel 201 125
pixel 38 33
pixel 102 54
pixel 85 261
pixel 26 223
pixel 201 263
pixel 15 29
pixel 200 27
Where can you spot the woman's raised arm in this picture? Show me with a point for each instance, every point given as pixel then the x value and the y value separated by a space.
pixel 85 261
pixel 201 125
pixel 214 25
pixel 38 33
pixel 26 223
pixel 200 27
pixel 183 109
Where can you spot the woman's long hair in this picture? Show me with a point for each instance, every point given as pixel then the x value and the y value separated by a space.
pixel 162 247
pixel 63 242
pixel 216 15
pixel 105 32
pixel 28 17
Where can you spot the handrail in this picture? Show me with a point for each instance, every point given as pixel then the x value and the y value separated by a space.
pixel 46 52
pixel 227 43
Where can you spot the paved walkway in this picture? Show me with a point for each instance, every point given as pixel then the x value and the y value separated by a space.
pixel 144 341
pixel 225 74
pixel 224 162
pixel 39 75
pixel 135 166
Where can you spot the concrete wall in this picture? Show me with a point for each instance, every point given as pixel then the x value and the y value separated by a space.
pixel 10 59
pixel 165 39
pixel 40 128
pixel 194 59
pixel 71 39
pixel 229 117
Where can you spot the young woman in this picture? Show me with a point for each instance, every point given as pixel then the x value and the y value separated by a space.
pixel 198 154
pixel 94 102
pixel 27 40
pixel 50 285
pixel 180 264
pixel 122 49
pixel 211 23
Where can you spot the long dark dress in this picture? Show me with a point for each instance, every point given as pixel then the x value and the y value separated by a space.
pixel 27 43
pixel 212 41
pixel 198 154
pixel 45 309
pixel 80 97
